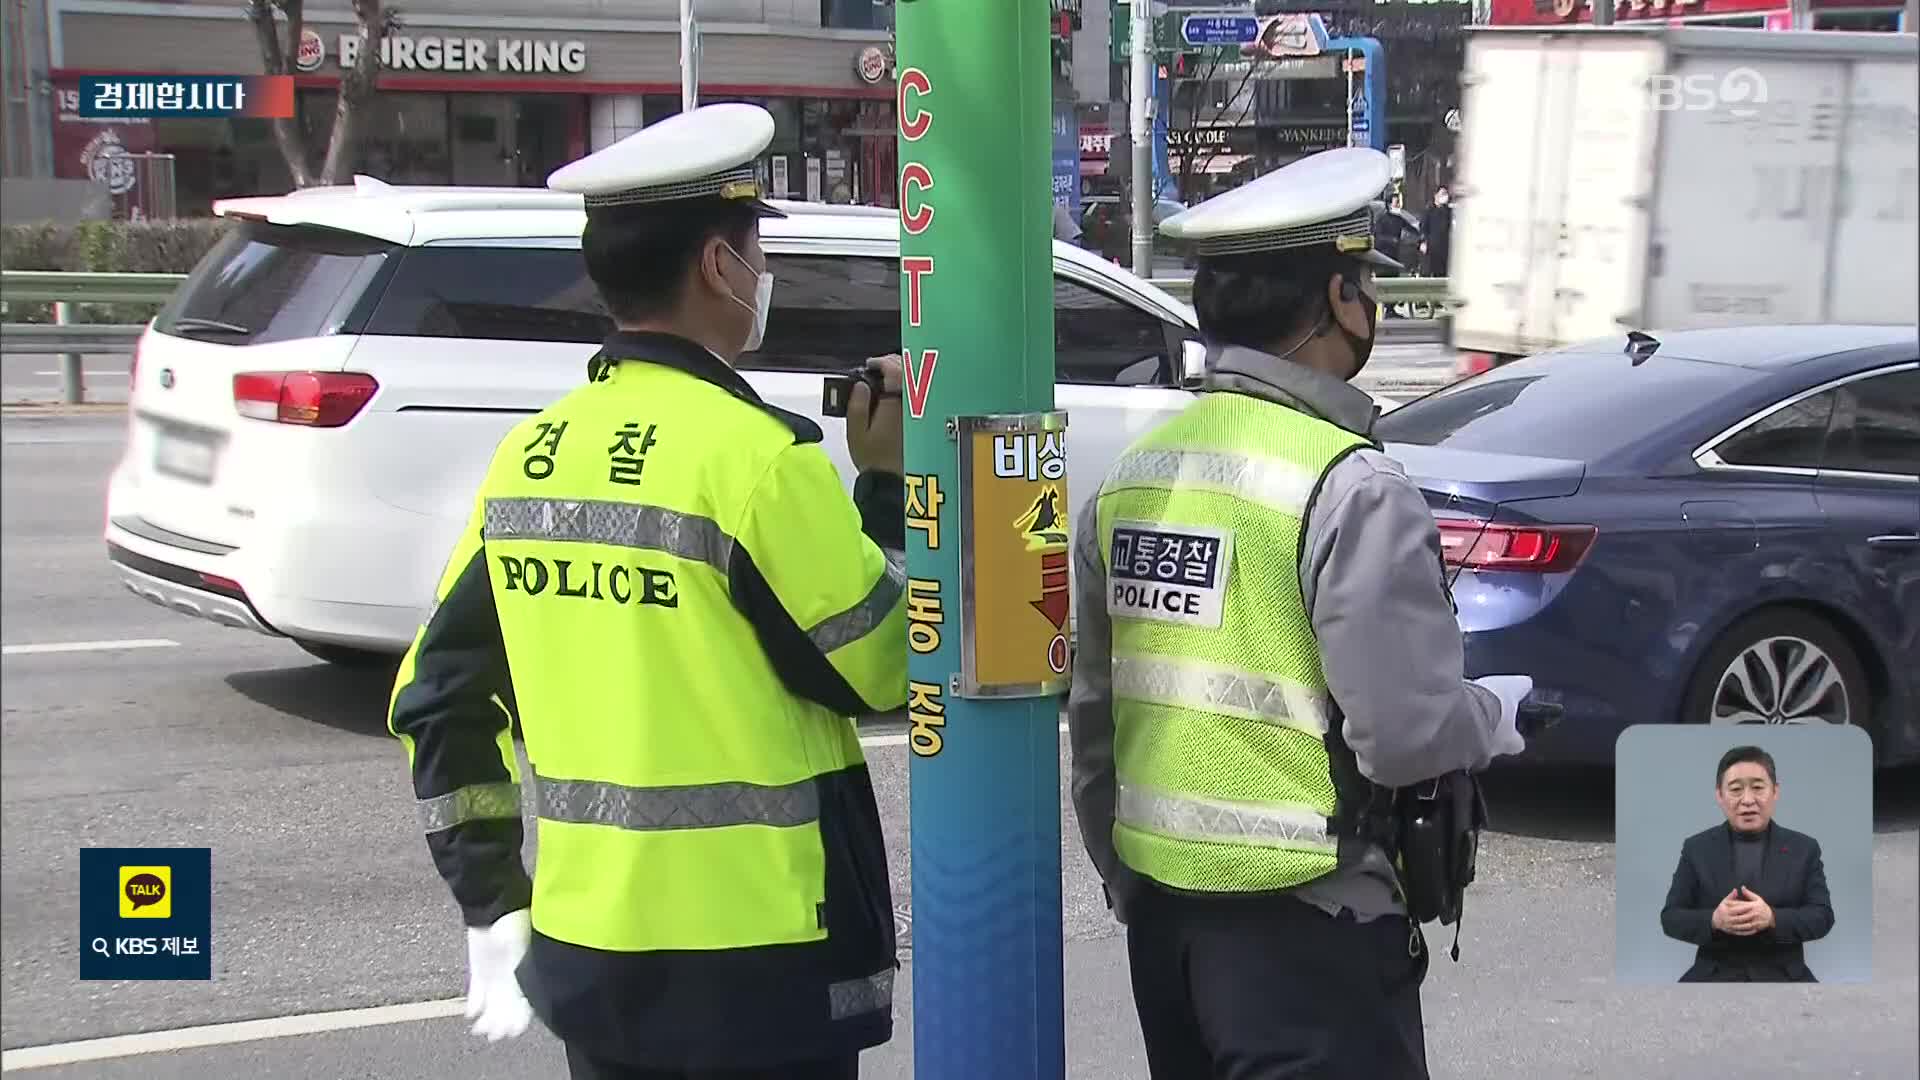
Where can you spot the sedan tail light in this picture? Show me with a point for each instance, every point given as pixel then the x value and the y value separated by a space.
pixel 1473 363
pixel 308 398
pixel 1539 549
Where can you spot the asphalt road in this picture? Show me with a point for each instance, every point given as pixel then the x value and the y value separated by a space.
pixel 326 900
pixel 1399 370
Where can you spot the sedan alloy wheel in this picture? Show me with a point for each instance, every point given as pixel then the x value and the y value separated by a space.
pixel 1781 680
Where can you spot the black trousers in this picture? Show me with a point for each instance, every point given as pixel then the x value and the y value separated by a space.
pixel 1271 988
pixel 582 1067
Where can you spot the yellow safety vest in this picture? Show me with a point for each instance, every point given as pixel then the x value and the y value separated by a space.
pixel 1221 710
pixel 693 810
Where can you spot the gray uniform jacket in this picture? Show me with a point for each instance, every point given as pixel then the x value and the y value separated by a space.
pixel 1375 591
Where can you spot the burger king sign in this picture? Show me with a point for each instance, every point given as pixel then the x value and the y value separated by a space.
pixel 874 63
pixel 312 51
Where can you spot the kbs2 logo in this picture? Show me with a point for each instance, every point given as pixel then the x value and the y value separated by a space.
pixel 1738 92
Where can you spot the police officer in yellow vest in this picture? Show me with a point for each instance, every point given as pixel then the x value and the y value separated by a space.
pixel 1266 649
pixel 664 580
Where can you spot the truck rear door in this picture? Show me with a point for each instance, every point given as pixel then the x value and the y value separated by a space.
pixel 1549 237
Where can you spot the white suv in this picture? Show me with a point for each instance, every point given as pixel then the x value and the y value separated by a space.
pixel 314 409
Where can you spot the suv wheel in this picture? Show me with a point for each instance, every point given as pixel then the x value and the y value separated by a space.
pixel 1779 667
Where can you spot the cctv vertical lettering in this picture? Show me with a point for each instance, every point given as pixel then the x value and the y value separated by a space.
pixel 974 102
pixel 662 578
pixel 926 701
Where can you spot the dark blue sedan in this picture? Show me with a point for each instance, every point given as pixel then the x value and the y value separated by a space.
pixel 1714 526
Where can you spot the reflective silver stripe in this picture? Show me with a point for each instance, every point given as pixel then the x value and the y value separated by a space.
pixel 692 806
pixel 1272 482
pixel 1187 817
pixel 475 802
pixel 1217 689
pixel 854 997
pixel 836 631
pixel 597 521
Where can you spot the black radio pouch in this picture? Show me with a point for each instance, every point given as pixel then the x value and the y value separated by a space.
pixel 1440 823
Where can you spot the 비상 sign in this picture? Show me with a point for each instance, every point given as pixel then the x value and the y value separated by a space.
pixel 1015 599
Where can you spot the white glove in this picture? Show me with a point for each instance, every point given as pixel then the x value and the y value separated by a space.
pixel 1511 690
pixel 494 1001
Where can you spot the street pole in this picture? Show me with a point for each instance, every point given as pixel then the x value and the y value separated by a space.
pixel 987 555
pixel 689 59
pixel 1603 12
pixel 1799 15
pixel 1141 92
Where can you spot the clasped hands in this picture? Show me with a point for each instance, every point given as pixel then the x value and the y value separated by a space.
pixel 1742 912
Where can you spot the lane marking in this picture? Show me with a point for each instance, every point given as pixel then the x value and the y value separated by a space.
pixel 87 646
pixel 191 1038
pixel 275 1027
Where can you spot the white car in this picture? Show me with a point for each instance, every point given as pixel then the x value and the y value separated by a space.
pixel 313 411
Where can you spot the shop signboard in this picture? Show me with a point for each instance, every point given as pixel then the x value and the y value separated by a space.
pixel 1220 139
pixel 516 56
pixel 1066 157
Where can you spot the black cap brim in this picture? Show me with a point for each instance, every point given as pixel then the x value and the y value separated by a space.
pixel 763 208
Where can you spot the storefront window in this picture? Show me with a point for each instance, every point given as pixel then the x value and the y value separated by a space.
pixel 1885 20
pixel 404 140
pixel 498 140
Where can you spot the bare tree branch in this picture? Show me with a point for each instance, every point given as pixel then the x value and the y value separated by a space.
pixel 276 58
pixel 1252 67
pixel 357 86
pixel 1195 159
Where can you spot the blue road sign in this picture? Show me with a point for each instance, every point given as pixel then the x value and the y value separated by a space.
pixel 1219 29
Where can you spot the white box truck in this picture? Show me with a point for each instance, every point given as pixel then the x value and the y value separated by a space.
pixel 1621 179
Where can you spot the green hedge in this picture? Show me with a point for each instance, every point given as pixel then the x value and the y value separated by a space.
pixel 132 247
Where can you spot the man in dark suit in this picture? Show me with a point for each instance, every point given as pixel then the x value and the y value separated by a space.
pixel 1749 893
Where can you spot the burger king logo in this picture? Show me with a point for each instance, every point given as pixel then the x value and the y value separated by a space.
pixel 871 65
pixel 311 52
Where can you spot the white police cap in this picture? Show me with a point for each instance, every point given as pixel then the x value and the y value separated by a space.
pixel 1321 199
pixel 707 153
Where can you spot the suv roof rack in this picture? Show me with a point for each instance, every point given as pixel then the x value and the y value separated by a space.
pixel 427 199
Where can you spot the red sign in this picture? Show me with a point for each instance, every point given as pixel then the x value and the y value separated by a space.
pixel 96 149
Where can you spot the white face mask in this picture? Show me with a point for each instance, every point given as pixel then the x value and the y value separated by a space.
pixel 762 303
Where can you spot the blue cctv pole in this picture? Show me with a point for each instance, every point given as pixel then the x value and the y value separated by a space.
pixel 987 548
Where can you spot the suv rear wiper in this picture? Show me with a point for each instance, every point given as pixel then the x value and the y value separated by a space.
pixel 191 325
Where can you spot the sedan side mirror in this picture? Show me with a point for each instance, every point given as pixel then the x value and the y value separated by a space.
pixel 1193 363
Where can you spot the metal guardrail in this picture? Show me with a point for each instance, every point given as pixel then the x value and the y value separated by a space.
pixel 31 286
pixel 69 340
pixel 63 336
pixel 46 338
pixel 1415 297
pixel 1420 303
pixel 1391 290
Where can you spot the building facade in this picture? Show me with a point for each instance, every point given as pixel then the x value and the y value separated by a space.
pixel 491 92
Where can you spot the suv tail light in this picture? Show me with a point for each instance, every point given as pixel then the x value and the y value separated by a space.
pixel 1538 549
pixel 308 398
